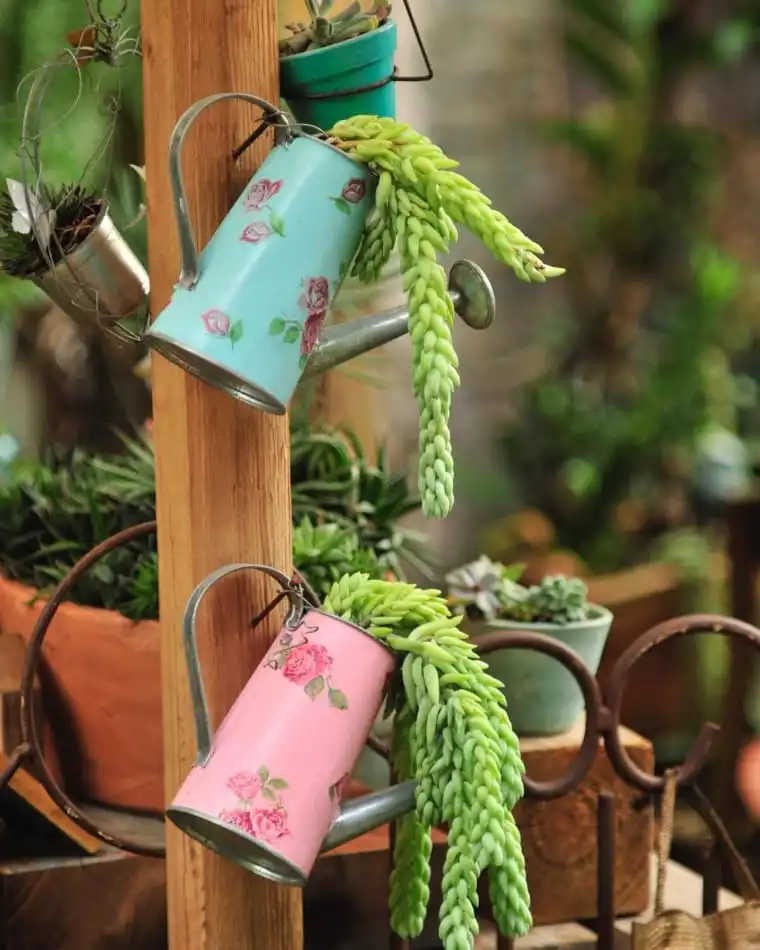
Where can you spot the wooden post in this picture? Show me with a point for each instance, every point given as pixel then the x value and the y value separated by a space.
pixel 222 468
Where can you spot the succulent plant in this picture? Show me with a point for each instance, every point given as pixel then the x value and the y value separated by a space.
pixel 556 599
pixel 324 553
pixel 75 212
pixel 487 590
pixel 323 30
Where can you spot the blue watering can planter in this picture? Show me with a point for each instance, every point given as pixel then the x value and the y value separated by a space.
pixel 246 315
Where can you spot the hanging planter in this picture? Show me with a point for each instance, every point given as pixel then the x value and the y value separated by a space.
pixel 246 315
pixel 419 200
pixel 544 697
pixel 63 239
pixel 335 67
pixel 269 796
pixel 66 243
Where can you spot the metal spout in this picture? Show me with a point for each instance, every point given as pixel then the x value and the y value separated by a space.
pixel 473 298
pixel 360 815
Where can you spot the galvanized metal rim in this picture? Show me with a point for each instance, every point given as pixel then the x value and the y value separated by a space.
pixel 220 377
pixel 289 874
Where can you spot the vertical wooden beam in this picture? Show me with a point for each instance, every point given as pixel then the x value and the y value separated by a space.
pixel 222 469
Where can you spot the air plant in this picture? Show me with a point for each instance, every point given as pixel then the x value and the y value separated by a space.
pixel 323 30
pixel 61 218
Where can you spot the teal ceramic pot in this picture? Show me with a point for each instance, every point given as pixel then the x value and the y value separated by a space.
pixel 353 64
pixel 543 697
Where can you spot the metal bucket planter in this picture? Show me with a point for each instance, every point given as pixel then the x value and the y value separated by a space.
pixel 101 279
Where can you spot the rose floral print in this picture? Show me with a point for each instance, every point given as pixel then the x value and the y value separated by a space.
pixel 353 191
pixel 259 811
pixel 307 664
pixel 314 299
pixel 217 323
pixel 260 192
pixel 257 199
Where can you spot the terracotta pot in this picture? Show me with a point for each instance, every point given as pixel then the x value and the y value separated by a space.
pixel 659 693
pixel 101 688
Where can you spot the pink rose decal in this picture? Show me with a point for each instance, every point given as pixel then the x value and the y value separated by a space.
pixel 354 191
pixel 217 323
pixel 305 662
pixel 256 233
pixel 270 824
pixel 238 818
pixel 260 193
pixel 316 295
pixel 245 785
pixel 311 332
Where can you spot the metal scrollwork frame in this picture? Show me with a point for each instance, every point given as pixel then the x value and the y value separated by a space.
pixel 602 725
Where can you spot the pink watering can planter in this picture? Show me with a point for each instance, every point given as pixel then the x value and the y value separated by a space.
pixel 266 789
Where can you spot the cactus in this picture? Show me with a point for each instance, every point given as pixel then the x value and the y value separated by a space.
pixel 323 30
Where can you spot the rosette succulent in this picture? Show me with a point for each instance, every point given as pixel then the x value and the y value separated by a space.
pixel 487 590
pixel 323 30
pixel 419 200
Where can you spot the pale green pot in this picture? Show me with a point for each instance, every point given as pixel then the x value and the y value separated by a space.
pixel 543 697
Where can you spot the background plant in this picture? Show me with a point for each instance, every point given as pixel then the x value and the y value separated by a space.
pixel 602 443
pixel 52 511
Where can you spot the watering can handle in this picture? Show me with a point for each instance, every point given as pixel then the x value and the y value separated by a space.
pixel 187 244
pixel 294 593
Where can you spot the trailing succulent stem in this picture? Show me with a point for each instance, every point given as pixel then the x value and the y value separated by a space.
pixel 323 30
pixel 454 738
pixel 417 202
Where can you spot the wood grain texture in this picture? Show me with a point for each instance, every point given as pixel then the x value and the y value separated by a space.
pixel 28 788
pixel 223 491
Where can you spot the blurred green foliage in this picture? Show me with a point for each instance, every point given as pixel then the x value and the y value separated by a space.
pixel 602 443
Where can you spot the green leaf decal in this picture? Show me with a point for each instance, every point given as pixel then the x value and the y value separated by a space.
pixel 278 783
pixel 292 334
pixel 277 224
pixel 337 699
pixel 343 269
pixel 263 774
pixel 276 326
pixel 236 332
pixel 314 687
pixel 268 793
pixel 342 205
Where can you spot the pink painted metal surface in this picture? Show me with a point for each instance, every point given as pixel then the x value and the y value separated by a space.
pixel 281 758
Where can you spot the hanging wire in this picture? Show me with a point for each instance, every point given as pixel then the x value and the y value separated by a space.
pixel 105 40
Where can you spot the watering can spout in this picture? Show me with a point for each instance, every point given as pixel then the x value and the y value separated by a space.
pixel 473 299
pixel 360 815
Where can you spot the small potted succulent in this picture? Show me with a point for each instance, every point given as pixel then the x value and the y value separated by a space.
pixel 65 242
pixel 327 57
pixel 452 736
pixel 544 697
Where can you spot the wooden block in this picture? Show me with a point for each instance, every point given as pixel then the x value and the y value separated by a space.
pixel 551 937
pixel 683 891
pixel 28 788
pixel 559 837
pixel 12 655
pixel 107 902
